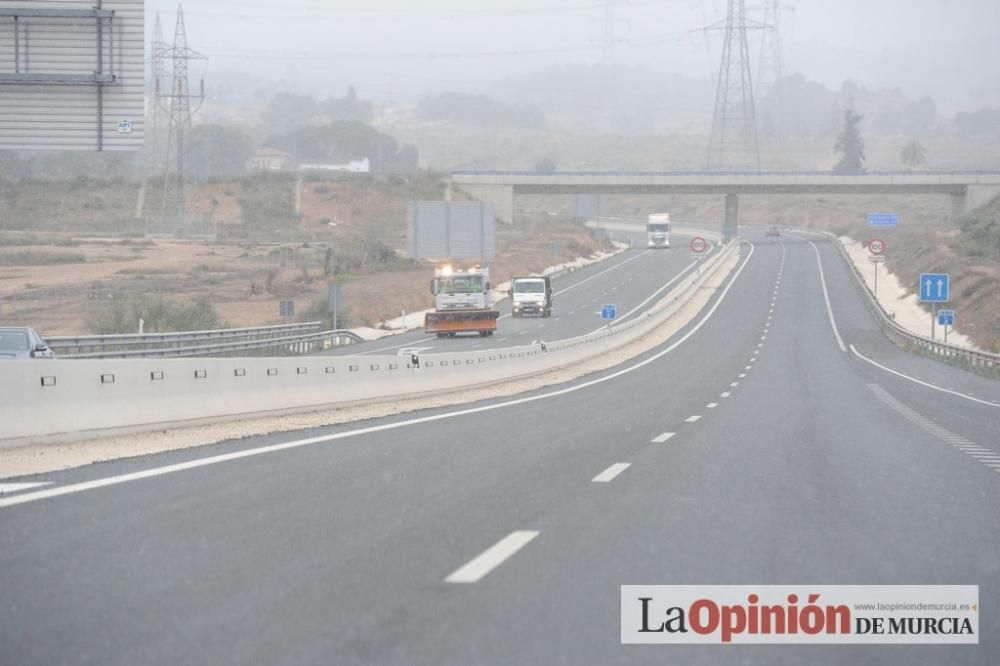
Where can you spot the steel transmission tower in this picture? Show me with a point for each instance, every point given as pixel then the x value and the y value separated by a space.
pixel 769 69
pixel 158 74
pixel 733 143
pixel 177 104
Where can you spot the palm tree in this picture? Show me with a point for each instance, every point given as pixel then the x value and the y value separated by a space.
pixel 913 154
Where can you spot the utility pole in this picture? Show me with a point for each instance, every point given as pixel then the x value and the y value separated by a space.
pixel 177 105
pixel 733 143
pixel 158 74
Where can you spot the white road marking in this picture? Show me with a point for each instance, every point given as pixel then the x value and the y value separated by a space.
pixel 70 489
pixel 611 268
pixel 404 344
pixel 492 557
pixel 725 394
pixel 692 419
pixel 659 439
pixel 742 375
pixel 922 383
pixel 734 383
pixel 6 488
pixel 826 297
pixel 712 405
pixel 747 367
pixel 610 473
pixel 501 339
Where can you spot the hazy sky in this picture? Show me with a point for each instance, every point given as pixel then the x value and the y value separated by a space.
pixel 398 49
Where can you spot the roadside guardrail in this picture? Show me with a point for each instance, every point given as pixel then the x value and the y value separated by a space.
pixel 902 336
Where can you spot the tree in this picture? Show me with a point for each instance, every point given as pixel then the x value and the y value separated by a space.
pixel 348 107
pixel 344 140
pixel 850 145
pixel 913 154
pixel 217 150
pixel 288 111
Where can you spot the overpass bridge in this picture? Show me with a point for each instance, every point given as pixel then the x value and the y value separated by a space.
pixel 965 188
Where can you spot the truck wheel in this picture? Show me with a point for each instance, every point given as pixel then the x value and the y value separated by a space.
pixel 483 334
pixel 442 335
pixel 451 335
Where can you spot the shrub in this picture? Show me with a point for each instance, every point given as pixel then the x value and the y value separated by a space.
pixel 122 315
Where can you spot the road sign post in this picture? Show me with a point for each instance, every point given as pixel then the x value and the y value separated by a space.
pixel 876 247
pixel 698 247
pixel 946 319
pixel 934 288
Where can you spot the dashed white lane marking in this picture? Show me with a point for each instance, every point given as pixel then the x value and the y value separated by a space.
pixel 734 383
pixel 6 488
pixel 610 473
pixel 742 375
pixel 763 337
pixel 501 339
pixel 595 275
pixel 976 452
pixel 659 439
pixel 725 394
pixel 492 557
pixel 923 383
pixel 692 419
pixel 712 405
pixel 84 486
pixel 404 344
pixel 747 367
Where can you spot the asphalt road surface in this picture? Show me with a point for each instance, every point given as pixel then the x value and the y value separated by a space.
pixel 766 447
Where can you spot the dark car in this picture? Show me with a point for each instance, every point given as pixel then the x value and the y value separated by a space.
pixel 773 230
pixel 18 343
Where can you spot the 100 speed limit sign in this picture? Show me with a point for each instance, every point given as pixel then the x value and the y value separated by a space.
pixel 876 246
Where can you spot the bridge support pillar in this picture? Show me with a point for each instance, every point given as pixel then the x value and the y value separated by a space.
pixel 730 226
pixel 501 195
pixel 959 204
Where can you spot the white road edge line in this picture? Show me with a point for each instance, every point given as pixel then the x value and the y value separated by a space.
pixel 659 439
pixel 611 472
pixel 283 446
pixel 922 383
pixel 492 557
pixel 826 297
pixel 18 487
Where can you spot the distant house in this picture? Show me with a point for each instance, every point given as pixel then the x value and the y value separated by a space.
pixel 269 159
pixel 353 166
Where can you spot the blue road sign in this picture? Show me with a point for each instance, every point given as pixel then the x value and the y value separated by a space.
pixel 609 311
pixel 883 219
pixel 934 287
pixel 946 317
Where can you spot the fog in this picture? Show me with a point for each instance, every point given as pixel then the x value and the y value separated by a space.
pixel 395 50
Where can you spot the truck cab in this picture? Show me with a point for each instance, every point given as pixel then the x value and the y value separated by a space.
pixel 530 295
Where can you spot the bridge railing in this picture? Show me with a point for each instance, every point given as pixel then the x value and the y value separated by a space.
pixel 903 336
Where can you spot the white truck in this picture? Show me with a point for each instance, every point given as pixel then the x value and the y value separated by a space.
pixel 658 230
pixel 530 295
pixel 462 302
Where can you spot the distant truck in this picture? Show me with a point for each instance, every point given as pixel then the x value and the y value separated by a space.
pixel 658 230
pixel 530 295
pixel 462 303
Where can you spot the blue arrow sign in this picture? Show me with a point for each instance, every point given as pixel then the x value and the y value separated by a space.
pixel 946 317
pixel 934 287
pixel 883 219
pixel 609 312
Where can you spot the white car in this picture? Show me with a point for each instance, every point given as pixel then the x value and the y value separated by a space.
pixel 23 343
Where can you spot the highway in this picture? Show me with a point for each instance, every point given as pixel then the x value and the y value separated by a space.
pixel 632 280
pixel 777 438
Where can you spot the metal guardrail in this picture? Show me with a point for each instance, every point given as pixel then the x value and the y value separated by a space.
pixel 95 344
pixel 902 336
pixel 292 345
pixel 844 174
pixel 300 338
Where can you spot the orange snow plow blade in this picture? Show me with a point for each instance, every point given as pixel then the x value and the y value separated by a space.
pixel 458 321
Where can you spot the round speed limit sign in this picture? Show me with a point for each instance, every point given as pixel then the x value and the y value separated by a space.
pixel 876 246
pixel 698 245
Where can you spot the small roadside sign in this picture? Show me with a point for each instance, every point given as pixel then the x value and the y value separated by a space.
pixel 698 245
pixel 609 312
pixel 934 287
pixel 286 308
pixel 883 219
pixel 876 246
pixel 124 126
pixel 946 317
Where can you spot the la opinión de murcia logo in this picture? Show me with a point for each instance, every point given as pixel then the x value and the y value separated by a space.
pixel 853 614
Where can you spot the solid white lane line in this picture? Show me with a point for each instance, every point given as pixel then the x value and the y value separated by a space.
pixel 922 383
pixel 659 439
pixel 712 405
pixel 322 439
pixel 596 275
pixel 826 297
pixel 692 419
pixel 18 487
pixel 725 394
pixel 610 473
pixel 492 557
